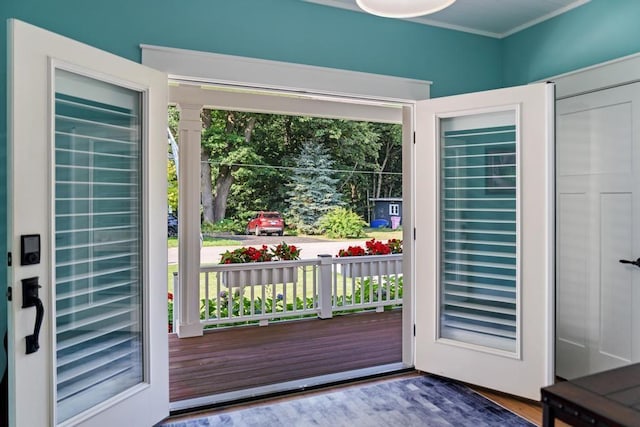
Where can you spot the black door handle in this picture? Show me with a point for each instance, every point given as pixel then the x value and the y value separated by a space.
pixel 30 298
pixel 626 261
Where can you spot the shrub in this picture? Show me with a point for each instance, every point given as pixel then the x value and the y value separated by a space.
pixel 340 223
pixel 234 226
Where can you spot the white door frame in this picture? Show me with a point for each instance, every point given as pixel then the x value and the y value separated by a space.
pixel 315 91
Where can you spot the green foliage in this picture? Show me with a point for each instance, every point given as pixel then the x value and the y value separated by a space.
pixel 170 311
pixel 312 191
pixel 172 187
pixel 234 226
pixel 272 304
pixel 368 291
pixel 341 223
pixel 256 154
pixel 172 176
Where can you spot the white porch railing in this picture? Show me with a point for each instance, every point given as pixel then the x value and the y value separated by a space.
pixel 264 291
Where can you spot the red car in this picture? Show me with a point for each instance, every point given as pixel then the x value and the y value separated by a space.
pixel 267 223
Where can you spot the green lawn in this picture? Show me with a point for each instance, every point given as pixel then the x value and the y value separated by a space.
pixel 384 233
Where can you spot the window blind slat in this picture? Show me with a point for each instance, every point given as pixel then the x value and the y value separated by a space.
pixel 93 274
pixel 89 365
pixel 87 336
pixel 113 314
pixel 483 286
pixel 79 308
pixel 61 296
pixel 474 317
pixel 90 351
pixel 478 296
pixel 500 332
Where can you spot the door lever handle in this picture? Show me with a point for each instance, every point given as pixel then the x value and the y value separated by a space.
pixel 30 298
pixel 626 261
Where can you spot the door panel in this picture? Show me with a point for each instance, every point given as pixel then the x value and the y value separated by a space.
pixel 598 150
pixel 483 311
pixel 88 178
pixel 571 320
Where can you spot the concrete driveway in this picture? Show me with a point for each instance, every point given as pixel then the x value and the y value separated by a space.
pixel 309 247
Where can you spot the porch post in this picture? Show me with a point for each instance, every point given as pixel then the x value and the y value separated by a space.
pixel 325 277
pixel 190 132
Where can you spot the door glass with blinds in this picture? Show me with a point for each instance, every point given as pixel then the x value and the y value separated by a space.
pixel 478 230
pixel 98 254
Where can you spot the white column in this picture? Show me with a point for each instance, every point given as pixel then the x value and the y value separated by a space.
pixel 190 135
pixel 325 276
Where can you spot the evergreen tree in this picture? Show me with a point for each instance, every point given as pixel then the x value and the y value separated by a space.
pixel 313 190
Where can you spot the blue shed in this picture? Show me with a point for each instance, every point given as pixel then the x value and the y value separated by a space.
pixel 387 212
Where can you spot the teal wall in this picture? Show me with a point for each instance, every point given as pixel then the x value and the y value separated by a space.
pixel 599 31
pixel 283 30
pixel 299 32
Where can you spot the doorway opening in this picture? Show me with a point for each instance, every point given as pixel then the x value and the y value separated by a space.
pixel 352 135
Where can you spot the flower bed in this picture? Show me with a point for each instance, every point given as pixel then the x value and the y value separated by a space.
pixel 281 252
pixel 373 247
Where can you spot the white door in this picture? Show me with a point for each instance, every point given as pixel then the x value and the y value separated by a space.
pixel 87 138
pixel 484 246
pixel 598 321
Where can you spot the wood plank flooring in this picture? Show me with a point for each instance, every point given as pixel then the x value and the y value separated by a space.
pixel 527 409
pixel 237 358
pixel 232 359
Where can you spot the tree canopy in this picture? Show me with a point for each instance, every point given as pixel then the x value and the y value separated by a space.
pixel 249 161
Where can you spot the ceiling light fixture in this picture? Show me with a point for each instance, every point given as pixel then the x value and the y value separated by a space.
pixel 403 8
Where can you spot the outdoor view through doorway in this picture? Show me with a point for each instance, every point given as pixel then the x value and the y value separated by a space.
pixel 320 186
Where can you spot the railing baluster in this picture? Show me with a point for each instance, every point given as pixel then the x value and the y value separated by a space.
pixel 218 294
pixel 252 292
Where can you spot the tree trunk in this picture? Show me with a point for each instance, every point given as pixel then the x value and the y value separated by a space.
pixel 224 181
pixel 206 183
pixel 206 186
pixel 223 186
pixel 387 153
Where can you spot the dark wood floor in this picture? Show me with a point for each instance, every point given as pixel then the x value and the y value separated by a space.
pixel 245 357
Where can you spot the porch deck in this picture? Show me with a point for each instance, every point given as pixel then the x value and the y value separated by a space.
pixel 245 357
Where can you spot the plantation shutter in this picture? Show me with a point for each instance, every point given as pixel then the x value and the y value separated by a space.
pixel 97 241
pixel 478 229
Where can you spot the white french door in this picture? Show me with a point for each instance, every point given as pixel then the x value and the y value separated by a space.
pixel 87 321
pixel 484 246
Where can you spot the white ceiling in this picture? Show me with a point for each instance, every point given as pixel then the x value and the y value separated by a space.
pixel 493 18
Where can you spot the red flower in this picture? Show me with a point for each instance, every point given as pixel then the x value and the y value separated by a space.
pixel 374 247
pixel 169 296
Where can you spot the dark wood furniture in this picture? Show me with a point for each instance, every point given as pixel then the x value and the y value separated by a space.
pixel 610 398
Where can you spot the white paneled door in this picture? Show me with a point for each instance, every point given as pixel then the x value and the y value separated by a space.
pixel 87 337
pixel 598 320
pixel 484 245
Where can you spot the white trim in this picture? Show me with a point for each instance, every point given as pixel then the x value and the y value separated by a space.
pixel 604 75
pixel 350 5
pixel 543 18
pixel 278 102
pixel 182 64
pixel 289 386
